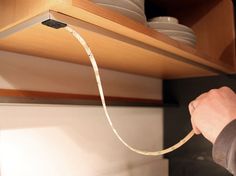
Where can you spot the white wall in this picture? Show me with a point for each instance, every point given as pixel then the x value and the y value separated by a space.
pixel 52 140
pixel 48 140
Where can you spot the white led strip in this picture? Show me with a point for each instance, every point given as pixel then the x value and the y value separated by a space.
pixel 98 79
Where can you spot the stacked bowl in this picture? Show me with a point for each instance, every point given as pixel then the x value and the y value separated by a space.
pixel 131 8
pixel 170 26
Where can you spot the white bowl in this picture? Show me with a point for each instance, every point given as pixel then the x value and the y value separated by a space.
pixel 165 19
pixel 169 26
pixel 127 4
pixel 126 12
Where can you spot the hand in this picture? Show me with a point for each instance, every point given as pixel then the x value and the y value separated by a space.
pixel 212 111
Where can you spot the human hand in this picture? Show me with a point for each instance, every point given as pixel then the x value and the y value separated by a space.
pixel 212 111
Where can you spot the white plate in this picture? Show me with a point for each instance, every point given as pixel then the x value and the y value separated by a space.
pixel 139 6
pixel 183 38
pixel 170 26
pixel 176 37
pixel 165 19
pixel 139 3
pixel 184 41
pixel 127 4
pixel 134 15
pixel 178 34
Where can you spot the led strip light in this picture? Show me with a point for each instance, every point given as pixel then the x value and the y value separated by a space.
pixel 99 84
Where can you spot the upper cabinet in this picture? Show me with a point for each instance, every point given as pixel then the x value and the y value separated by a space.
pixel 121 43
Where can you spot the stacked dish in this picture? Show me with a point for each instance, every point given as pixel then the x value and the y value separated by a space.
pixel 130 8
pixel 171 27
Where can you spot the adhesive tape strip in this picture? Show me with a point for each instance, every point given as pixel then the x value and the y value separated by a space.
pixel 99 84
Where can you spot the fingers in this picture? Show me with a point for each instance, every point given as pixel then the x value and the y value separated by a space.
pixel 195 129
pixel 192 106
pixel 191 110
pixel 202 96
pixel 226 89
pixel 226 92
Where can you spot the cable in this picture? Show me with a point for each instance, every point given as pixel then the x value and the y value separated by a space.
pixel 99 84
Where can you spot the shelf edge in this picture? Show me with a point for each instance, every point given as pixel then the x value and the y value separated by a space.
pixel 9 96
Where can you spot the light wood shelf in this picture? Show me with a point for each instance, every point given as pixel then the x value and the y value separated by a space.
pixel 118 42
pixel 37 97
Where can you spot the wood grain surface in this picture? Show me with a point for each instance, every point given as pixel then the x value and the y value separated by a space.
pixel 143 58
pixel 26 96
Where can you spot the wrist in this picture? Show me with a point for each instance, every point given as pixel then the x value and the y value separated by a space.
pixel 223 142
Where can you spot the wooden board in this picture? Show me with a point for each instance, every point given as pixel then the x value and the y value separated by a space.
pixel 144 58
pixel 37 97
pixel 110 53
pixel 213 23
pixel 15 11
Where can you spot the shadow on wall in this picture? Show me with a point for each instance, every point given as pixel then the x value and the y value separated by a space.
pixel 62 139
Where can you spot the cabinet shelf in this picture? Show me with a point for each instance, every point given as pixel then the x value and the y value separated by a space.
pixel 118 43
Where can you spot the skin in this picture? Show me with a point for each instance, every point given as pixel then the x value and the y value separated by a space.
pixel 212 111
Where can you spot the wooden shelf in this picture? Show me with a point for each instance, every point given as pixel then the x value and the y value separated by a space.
pixel 212 21
pixel 118 42
pixel 36 97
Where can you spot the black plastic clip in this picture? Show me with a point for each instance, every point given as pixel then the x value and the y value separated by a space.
pixel 54 24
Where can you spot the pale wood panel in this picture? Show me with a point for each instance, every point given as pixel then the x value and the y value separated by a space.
pixel 217 36
pixel 110 53
pixel 26 96
pixel 213 22
pixel 16 11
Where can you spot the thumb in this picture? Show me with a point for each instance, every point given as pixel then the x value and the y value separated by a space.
pixel 195 128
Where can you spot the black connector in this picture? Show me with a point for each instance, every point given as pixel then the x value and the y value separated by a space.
pixel 54 24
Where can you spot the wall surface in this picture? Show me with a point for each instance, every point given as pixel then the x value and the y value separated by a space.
pixel 48 140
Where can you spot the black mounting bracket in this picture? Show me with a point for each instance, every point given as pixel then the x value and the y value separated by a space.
pixel 54 24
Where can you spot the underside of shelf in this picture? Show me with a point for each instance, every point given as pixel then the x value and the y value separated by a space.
pixel 117 42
